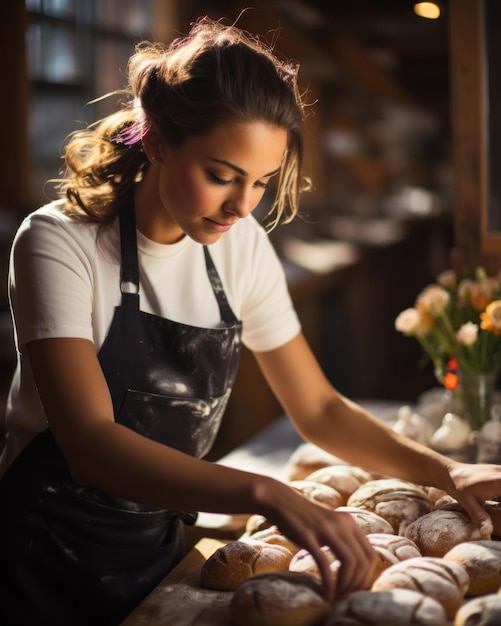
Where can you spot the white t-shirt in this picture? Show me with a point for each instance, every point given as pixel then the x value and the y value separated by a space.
pixel 64 281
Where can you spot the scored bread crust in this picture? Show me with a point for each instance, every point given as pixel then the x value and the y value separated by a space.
pixel 484 611
pixel 440 530
pixel 482 562
pixel 318 492
pixel 344 478
pixel 237 561
pixel 279 599
pixel 396 606
pixel 397 501
pixel 445 581
pixel 367 521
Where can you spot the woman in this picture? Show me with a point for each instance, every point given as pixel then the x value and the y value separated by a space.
pixel 131 296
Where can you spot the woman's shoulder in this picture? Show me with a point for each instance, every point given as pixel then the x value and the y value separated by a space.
pixel 50 220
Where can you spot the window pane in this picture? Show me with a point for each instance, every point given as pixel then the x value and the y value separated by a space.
pixel 34 5
pixel 52 118
pixel 59 8
pixel 129 16
pixel 59 51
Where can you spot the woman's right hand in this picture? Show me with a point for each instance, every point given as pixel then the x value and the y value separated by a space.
pixel 312 526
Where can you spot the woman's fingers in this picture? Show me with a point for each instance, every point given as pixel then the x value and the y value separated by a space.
pixel 356 555
pixel 315 528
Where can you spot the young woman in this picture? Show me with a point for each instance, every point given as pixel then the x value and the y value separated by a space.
pixel 131 296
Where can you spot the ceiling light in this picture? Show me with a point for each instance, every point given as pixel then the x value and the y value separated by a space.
pixel 429 10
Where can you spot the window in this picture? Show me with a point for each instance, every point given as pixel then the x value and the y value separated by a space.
pixel 77 51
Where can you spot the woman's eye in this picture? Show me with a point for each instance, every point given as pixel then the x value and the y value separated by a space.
pixel 215 179
pixel 262 185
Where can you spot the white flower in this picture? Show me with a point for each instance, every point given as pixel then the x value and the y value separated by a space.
pixel 467 334
pixel 408 321
pixel 433 299
pixel 447 279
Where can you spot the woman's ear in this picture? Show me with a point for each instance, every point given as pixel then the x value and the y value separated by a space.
pixel 152 147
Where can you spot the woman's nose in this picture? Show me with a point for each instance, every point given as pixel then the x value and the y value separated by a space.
pixel 241 204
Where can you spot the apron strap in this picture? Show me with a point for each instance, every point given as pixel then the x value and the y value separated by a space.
pixel 129 279
pixel 225 310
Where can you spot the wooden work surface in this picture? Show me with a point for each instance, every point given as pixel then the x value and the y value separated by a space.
pixel 180 601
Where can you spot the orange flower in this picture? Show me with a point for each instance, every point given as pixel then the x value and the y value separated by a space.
pixel 451 381
pixel 491 317
pixel 451 378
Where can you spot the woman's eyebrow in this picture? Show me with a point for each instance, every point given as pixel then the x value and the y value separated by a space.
pixel 239 170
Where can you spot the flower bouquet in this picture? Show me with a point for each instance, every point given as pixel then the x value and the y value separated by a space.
pixel 458 325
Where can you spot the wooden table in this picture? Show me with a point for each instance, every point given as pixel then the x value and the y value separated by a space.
pixel 180 601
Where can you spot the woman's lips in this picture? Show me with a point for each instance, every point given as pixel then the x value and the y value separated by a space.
pixel 220 227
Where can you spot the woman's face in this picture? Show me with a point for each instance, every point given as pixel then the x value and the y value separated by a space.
pixel 210 182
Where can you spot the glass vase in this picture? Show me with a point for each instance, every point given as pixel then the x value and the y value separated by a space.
pixel 476 392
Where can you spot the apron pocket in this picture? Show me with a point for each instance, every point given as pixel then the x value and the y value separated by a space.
pixel 186 424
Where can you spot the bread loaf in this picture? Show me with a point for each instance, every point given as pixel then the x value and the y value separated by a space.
pixel 397 501
pixel 484 611
pixel 304 563
pixel 396 607
pixel 280 599
pixel 440 530
pixel 434 494
pixel 255 523
pixel 493 508
pixel 344 478
pixel 237 561
pixel 401 547
pixel 444 581
pixel 367 521
pixel 391 549
pixel 322 494
pixel 482 562
pixel 273 535
pixel 307 458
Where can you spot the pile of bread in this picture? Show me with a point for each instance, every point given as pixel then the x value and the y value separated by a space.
pixel 434 569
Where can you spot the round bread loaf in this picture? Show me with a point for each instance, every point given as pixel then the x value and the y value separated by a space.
pixel 391 549
pixel 434 494
pixel 440 530
pixel 280 599
pixel 273 535
pixel 367 521
pixel 484 611
pixel 304 563
pixel 493 508
pixel 322 494
pixel 401 547
pixel 397 501
pixel 444 581
pixel 307 458
pixel 344 478
pixel 255 523
pixel 482 562
pixel 396 607
pixel 237 561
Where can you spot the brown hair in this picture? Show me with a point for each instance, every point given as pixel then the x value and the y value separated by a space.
pixel 213 75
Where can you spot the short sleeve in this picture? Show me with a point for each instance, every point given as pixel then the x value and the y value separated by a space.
pixel 268 315
pixel 50 281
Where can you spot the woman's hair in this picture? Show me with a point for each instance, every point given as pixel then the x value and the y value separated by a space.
pixel 216 74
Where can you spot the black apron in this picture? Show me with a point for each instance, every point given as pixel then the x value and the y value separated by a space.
pixel 78 556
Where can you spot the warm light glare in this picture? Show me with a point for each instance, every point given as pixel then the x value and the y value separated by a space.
pixel 430 10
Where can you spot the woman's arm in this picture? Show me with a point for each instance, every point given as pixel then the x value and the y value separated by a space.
pixel 111 457
pixel 328 419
